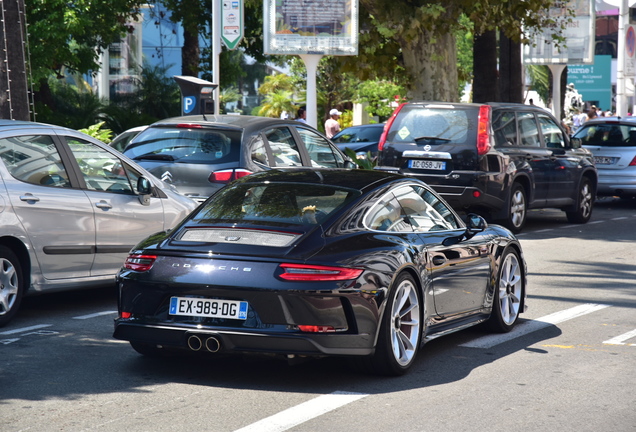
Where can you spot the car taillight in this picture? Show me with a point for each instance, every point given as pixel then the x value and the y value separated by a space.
pixel 189 126
pixel 140 263
pixel 306 272
pixel 387 126
pixel 316 329
pixel 226 176
pixel 633 162
pixel 483 135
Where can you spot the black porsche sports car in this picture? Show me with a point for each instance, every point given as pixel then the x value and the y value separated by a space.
pixel 366 264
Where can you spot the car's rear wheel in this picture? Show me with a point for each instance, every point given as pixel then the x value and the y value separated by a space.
pixel 401 329
pixel 517 209
pixel 584 204
pixel 11 285
pixel 509 293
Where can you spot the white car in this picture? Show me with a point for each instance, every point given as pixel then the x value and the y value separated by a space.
pixel 71 208
pixel 612 141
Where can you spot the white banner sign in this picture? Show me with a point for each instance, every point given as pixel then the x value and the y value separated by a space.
pixel 327 27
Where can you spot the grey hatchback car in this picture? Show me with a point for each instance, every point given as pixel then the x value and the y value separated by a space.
pixel 200 154
pixel 71 208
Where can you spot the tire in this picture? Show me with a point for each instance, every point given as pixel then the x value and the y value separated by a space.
pixel 11 285
pixel 517 209
pixel 400 330
pixel 584 203
pixel 509 293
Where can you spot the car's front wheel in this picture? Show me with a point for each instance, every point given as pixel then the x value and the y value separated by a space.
pixel 584 204
pixel 401 329
pixel 11 285
pixel 509 293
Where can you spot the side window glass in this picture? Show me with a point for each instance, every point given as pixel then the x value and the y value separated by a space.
pixel 424 210
pixel 528 131
pixel 505 128
pixel 387 215
pixel 258 152
pixel 101 170
pixel 320 151
pixel 283 147
pixel 552 134
pixel 34 159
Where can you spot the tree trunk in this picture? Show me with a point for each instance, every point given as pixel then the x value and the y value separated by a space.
pixel 485 74
pixel 431 62
pixel 14 90
pixel 510 76
pixel 190 53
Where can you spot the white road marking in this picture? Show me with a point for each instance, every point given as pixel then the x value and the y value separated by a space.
pixel 527 327
pixel 94 315
pixel 25 329
pixel 294 416
pixel 620 340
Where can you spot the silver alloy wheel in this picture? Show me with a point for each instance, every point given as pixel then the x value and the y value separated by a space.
pixel 517 208
pixel 8 285
pixel 510 289
pixel 405 323
pixel 586 200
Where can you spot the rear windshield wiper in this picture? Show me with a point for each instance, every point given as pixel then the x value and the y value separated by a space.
pixel 431 138
pixel 155 156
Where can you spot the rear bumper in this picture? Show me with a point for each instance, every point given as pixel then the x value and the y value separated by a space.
pixel 234 342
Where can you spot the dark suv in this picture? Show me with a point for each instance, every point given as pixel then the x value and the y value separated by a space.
pixel 495 159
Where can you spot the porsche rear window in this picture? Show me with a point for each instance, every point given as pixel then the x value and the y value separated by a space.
pixel 288 203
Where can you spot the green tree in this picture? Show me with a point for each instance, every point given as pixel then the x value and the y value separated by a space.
pixel 424 33
pixel 69 36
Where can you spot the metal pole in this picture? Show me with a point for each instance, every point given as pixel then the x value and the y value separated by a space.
pixel 621 96
pixel 216 51
pixel 557 71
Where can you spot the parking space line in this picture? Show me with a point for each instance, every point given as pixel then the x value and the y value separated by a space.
pixel 25 329
pixel 620 340
pixel 531 326
pixel 94 315
pixel 294 416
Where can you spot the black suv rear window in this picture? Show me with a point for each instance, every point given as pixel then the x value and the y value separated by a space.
pixel 607 135
pixel 183 145
pixel 416 122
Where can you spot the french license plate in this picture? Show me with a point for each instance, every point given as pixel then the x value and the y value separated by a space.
pixel 187 306
pixel 426 164
pixel 598 160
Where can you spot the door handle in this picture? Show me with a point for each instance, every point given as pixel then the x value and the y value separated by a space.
pixel 28 197
pixel 103 205
pixel 438 260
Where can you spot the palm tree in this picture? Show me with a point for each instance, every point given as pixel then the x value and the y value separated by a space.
pixel 277 102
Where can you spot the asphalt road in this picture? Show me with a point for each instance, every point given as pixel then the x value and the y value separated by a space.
pixel 569 366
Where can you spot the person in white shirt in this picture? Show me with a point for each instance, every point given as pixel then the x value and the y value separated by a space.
pixel 332 126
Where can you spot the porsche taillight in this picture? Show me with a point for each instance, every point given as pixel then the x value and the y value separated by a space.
pixel 307 273
pixel 139 262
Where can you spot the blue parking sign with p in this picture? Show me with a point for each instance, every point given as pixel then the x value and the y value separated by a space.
pixel 189 102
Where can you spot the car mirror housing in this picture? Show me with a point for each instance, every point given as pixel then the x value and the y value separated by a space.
pixel 144 188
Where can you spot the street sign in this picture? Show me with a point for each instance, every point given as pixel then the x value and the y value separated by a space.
pixel 232 23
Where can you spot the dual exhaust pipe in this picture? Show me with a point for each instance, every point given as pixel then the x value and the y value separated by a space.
pixel 211 343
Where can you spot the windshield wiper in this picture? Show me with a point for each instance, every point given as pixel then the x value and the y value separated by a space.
pixel 431 138
pixel 155 156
